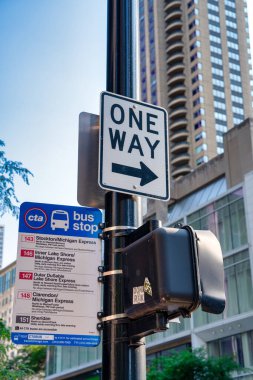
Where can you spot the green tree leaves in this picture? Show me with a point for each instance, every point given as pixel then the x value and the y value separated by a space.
pixel 192 365
pixel 29 360
pixel 9 370
pixel 8 170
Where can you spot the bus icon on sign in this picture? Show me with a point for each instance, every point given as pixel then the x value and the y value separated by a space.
pixel 60 219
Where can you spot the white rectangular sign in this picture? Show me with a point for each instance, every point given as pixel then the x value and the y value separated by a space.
pixel 133 147
pixel 57 295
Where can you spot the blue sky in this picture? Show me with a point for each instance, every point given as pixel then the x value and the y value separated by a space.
pixel 52 67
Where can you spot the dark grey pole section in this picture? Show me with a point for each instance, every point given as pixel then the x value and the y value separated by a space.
pixel 121 210
pixel 120 59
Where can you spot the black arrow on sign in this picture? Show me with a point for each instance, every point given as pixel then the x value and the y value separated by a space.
pixel 144 172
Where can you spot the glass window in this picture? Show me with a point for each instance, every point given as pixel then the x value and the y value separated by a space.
pixel 201 135
pixel 197 78
pixel 216 60
pixel 219 105
pixel 194 12
pixel 220 116
pixel 230 3
pixel 200 148
pixel 237 120
pixel 231 23
pixel 196 90
pixel 230 14
pixel 217 71
pixel 214 28
pixel 219 138
pixel 199 124
pixel 236 99
pixel 214 39
pixel 194 34
pixel 195 45
pixel 218 94
pixel 238 288
pixel 238 284
pixel 197 101
pixel 213 7
pixel 230 346
pixel 215 49
pixel 199 112
pixel 218 83
pixel 227 220
pixel 201 160
pixel 194 23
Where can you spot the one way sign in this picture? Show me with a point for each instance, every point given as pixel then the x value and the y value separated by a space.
pixel 133 147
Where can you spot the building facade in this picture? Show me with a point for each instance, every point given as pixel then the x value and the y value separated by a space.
pixel 217 196
pixel 7 282
pixel 1 245
pixel 195 61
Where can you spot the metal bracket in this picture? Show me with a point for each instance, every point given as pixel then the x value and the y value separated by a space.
pixel 113 317
pixel 138 328
pixel 101 269
pixel 100 326
pixel 143 230
pixel 116 231
pixel 117 228
pixel 112 272
pixel 101 226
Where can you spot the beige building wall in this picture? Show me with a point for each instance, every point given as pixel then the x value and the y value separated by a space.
pixel 7 293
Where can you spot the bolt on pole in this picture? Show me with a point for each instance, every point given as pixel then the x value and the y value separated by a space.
pixel 121 358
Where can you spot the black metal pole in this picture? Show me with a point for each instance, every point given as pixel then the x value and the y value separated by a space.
pixel 120 50
pixel 121 210
pixel 120 215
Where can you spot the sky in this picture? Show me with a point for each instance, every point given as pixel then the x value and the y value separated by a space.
pixel 52 67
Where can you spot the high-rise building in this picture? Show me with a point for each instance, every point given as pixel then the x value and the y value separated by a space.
pixel 196 62
pixel 7 282
pixel 1 245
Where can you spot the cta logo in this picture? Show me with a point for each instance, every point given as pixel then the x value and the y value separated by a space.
pixel 35 218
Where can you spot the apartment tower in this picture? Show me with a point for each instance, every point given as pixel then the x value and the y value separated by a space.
pixel 1 245
pixel 196 62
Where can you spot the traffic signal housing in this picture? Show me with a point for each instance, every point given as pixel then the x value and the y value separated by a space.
pixel 173 270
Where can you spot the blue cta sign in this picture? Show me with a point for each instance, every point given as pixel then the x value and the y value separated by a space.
pixel 57 294
pixel 59 220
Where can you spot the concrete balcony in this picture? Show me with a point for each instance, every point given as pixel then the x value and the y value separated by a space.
pixel 180 135
pixel 178 124
pixel 176 101
pixel 178 112
pixel 174 79
pixel 178 89
pixel 174 47
pixel 173 24
pixel 171 5
pixel 178 172
pixel 180 147
pixel 180 159
pixel 174 14
pixel 178 56
pixel 174 36
pixel 176 68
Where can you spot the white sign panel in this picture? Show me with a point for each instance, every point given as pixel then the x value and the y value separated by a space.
pixel 133 147
pixel 57 295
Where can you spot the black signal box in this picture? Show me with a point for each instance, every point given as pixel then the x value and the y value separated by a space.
pixel 162 273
